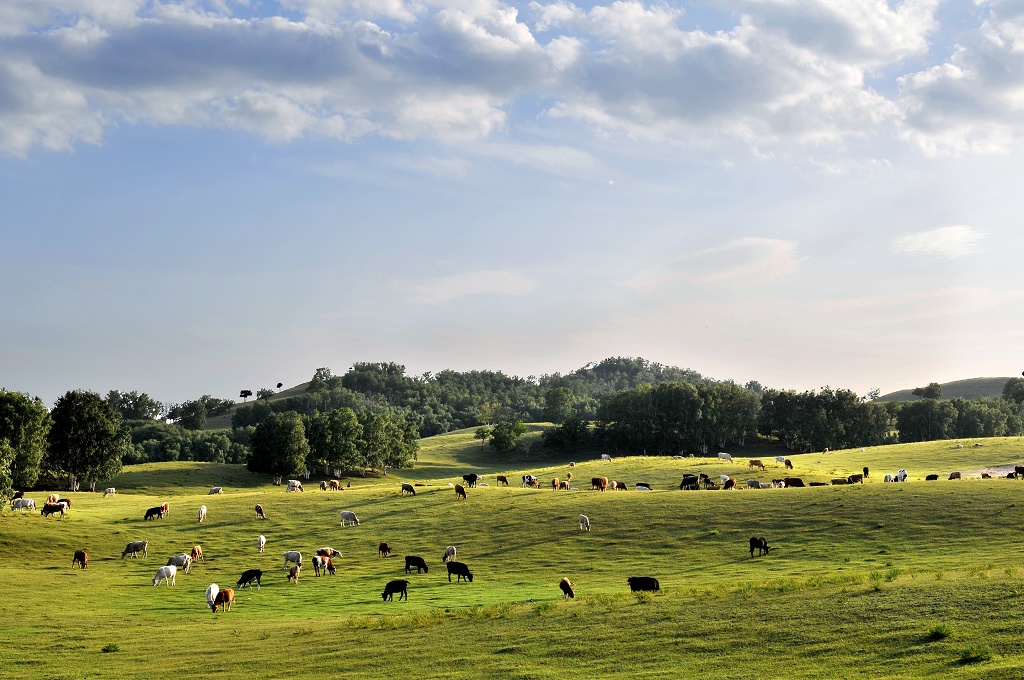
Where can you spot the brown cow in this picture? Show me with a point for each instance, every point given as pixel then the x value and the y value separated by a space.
pixel 555 483
pixel 384 549
pixel 603 483
pixel 502 479
pixel 595 482
pixel 854 479
pixel 563 486
pixel 293 574
pixel 166 507
pixel 460 492
pixel 755 463
pixel 197 553
pixel 225 598
pixel 335 485
pixel 730 484
pixel 566 585
pixel 80 558
pixel 840 480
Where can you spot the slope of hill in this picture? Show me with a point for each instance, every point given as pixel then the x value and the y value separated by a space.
pixel 972 388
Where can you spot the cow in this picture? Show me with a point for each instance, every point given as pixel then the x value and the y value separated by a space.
pixel 793 482
pixel 779 459
pixel 855 479
pixel 471 479
pixel 572 464
pixel 197 554
pixel 350 517
pixel 460 570
pixel 760 544
pixel 725 457
pixel 753 484
pixel 81 558
pixel 643 486
pixel 18 494
pixel 643 583
pixel 294 485
pixel 755 463
pixel 320 564
pixel 729 484
pixel 530 480
pixel 840 480
pixel 323 485
pixel 901 475
pixel 202 514
pixel 166 507
pixel 502 479
pixel 259 512
pixel 408 488
pixel 211 594
pixel 689 483
pixel 954 475
pixel 292 556
pixel 584 523
pixel 53 498
pixel 1018 471
pixel 566 585
pixel 929 478
pixel 328 552
pixel 165 574
pixel 66 502
pixel 985 475
pixel 892 478
pixel 335 485
pixel 53 509
pixel 865 470
pixel 182 561
pixel 555 483
pixel 603 483
pixel 415 561
pixel 383 549
pixel 135 547
pixel 605 456
pixel 817 483
pixel 293 574
pixel 449 554
pixel 789 464
pixel 248 576
pixel 213 492
pixel 261 542
pixel 224 598
pixel 400 586
pixel 460 492
pixel 154 513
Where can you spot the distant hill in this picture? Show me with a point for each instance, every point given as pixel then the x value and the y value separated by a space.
pixel 223 421
pixel 972 388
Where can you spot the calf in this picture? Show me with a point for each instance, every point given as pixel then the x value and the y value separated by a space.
pixel 165 574
pixel 384 549
pixel 789 464
pixel 865 471
pixel 261 541
pixel 197 554
pixel 400 586
pixel 166 507
pixel 460 492
pixel 323 486
pixel 259 512
pixel 759 543
pixel 414 561
pixel 643 583
pixel 584 523
pixel 202 513
pixel 563 486
pixel 449 554
pixel 502 479
pixel 293 574
pixel 566 585
pixel 407 488
pixel 154 513
pixel 80 558
pixel 460 570
pixel 224 598
pixel 248 576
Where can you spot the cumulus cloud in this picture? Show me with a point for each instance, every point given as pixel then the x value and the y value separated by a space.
pixel 484 282
pixel 741 263
pixel 944 243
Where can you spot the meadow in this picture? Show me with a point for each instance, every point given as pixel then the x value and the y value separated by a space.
pixel 874 580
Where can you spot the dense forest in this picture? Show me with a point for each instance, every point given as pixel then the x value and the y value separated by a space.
pixel 373 415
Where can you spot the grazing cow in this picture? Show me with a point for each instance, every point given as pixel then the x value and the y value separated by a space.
pixel 1018 471
pixel 725 456
pixel 563 485
pixel 840 480
pixel 292 556
pixel 793 482
pixel 530 480
pixel 753 484
pixel 928 478
pixel 954 475
pixel 400 586
pixel 328 552
pixel 320 564
pixel 213 492
pixel 643 583
pixel 572 464
pixel 449 554
pixel 136 547
pixel 197 554
pixel 224 598
pixel 730 484
pixel 80 558
pixel 259 512
pixel 689 483
pixel 901 475
pixel 383 549
pixel 350 517
pixel 407 488
pixel 460 570
pixel 323 485
pixel 779 459
pixel 643 486
pixel 755 463
pixel 471 479
pixel 1011 475
pixel 182 561
pixel 760 544
pixel 53 509
pixel 166 507
pixel 294 485
pixel 460 492
pixel 66 502
pixel 165 574
pixel 555 484
pixel 568 477
pixel 202 513
pixel 53 498
pixel 865 470
pixel 335 485
pixel 566 585
pixel 248 576
pixel 892 478
pixel 502 479
pixel 584 523
pixel 415 561
pixel 855 479
pixel 261 542
pixel 154 513
pixel 605 456
pixel 817 483
pixel 603 484
pixel 211 594
pixel 293 574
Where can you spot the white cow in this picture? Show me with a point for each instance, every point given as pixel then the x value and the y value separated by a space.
pixel 449 554
pixel 724 456
pixel 530 480
pixel 215 490
pixel 294 485
pixel 260 542
pixel 584 523
pixel 23 503
pixel 165 574
pixel 349 516
pixel 889 478
pixel 605 456
pixel 901 475
pixel 211 594
pixel 182 561
pixel 723 478
pixel 292 556
pixel 780 459
pixel 202 513
pixel 109 491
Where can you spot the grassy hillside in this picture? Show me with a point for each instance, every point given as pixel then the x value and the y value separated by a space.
pixel 223 421
pixel 872 580
pixel 973 388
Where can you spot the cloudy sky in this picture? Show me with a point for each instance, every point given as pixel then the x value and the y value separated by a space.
pixel 204 196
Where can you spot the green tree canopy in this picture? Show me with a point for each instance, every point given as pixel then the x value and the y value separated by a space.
pixel 6 458
pixel 24 423
pixel 932 391
pixel 87 439
pixel 279 445
pixel 506 434
pixel 387 440
pixel 191 415
pixel 1013 390
pixel 558 405
pixel 134 405
pixel 333 438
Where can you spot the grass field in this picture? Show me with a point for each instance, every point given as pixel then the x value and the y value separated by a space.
pixel 873 580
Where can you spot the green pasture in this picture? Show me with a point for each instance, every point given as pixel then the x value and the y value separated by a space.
pixel 873 580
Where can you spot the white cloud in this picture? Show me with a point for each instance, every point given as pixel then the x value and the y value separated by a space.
pixel 493 282
pixel 944 243
pixel 741 263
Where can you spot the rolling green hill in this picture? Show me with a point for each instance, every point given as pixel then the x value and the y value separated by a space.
pixel 972 388
pixel 872 580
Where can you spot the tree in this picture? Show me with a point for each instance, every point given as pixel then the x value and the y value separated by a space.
pixel 873 394
pixel 483 433
pixel 279 446
pixel 488 412
pixel 244 395
pixel 265 393
pixel 191 415
pixel 86 439
pixel 933 391
pixel 387 440
pixel 6 458
pixel 24 423
pixel 506 434
pixel 134 405
pixel 333 438
pixel 558 405
pixel 323 380
pixel 1013 390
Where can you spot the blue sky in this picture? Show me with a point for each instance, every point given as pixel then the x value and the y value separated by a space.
pixel 200 197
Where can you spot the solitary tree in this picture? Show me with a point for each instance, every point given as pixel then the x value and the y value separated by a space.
pixel 506 434
pixel 483 433
pixel 245 394
pixel 264 393
pixel 279 446
pixel 87 439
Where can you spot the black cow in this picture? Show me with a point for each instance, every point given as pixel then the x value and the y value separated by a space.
pixel 689 483
pixel 931 478
pixel 460 570
pixel 259 512
pixel 471 479
pixel 248 576
pixel 954 475
pixel 408 488
pixel 566 585
pixel 760 543
pixel 397 586
pixel 384 549
pixel 53 509
pixel 793 482
pixel 865 471
pixel 154 513
pixel 415 561
pixel 641 583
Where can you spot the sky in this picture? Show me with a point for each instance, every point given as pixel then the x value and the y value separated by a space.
pixel 206 196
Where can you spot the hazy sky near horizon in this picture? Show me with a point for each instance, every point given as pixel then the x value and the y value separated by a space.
pixel 203 196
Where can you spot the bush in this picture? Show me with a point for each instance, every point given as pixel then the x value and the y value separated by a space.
pixel 939 631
